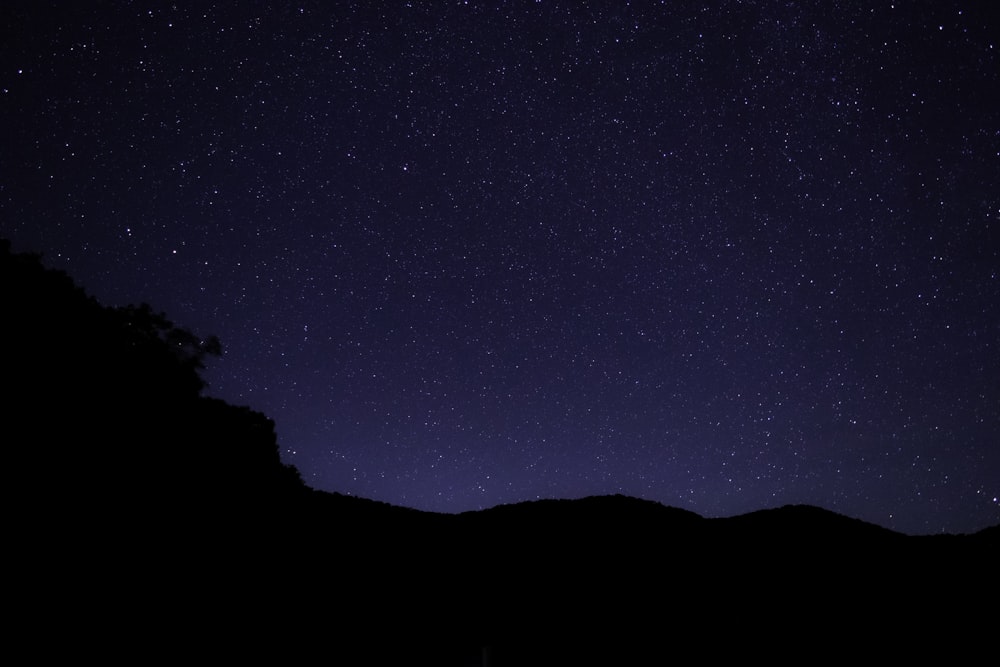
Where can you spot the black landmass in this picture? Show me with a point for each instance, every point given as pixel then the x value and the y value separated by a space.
pixel 147 519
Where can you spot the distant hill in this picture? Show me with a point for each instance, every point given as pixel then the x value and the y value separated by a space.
pixel 138 504
pixel 615 578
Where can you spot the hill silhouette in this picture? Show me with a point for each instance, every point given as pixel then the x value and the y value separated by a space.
pixel 140 504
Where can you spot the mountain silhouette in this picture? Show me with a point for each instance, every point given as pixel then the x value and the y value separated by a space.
pixel 144 515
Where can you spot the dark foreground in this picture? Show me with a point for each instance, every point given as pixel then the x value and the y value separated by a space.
pixel 147 522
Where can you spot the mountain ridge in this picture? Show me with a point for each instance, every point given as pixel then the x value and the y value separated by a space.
pixel 217 527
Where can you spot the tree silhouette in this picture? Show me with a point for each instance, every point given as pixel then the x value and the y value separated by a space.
pixel 105 406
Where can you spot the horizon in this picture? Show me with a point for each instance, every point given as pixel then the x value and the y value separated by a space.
pixel 721 257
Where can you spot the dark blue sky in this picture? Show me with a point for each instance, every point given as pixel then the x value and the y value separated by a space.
pixel 725 256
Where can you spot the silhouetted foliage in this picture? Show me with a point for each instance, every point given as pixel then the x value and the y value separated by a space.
pixel 107 408
pixel 155 336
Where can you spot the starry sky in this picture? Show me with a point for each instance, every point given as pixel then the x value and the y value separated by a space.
pixel 721 255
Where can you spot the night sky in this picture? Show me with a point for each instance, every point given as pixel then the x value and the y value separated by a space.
pixel 721 255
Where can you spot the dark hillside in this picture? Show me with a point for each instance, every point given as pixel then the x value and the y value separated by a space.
pixel 104 405
pixel 139 504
